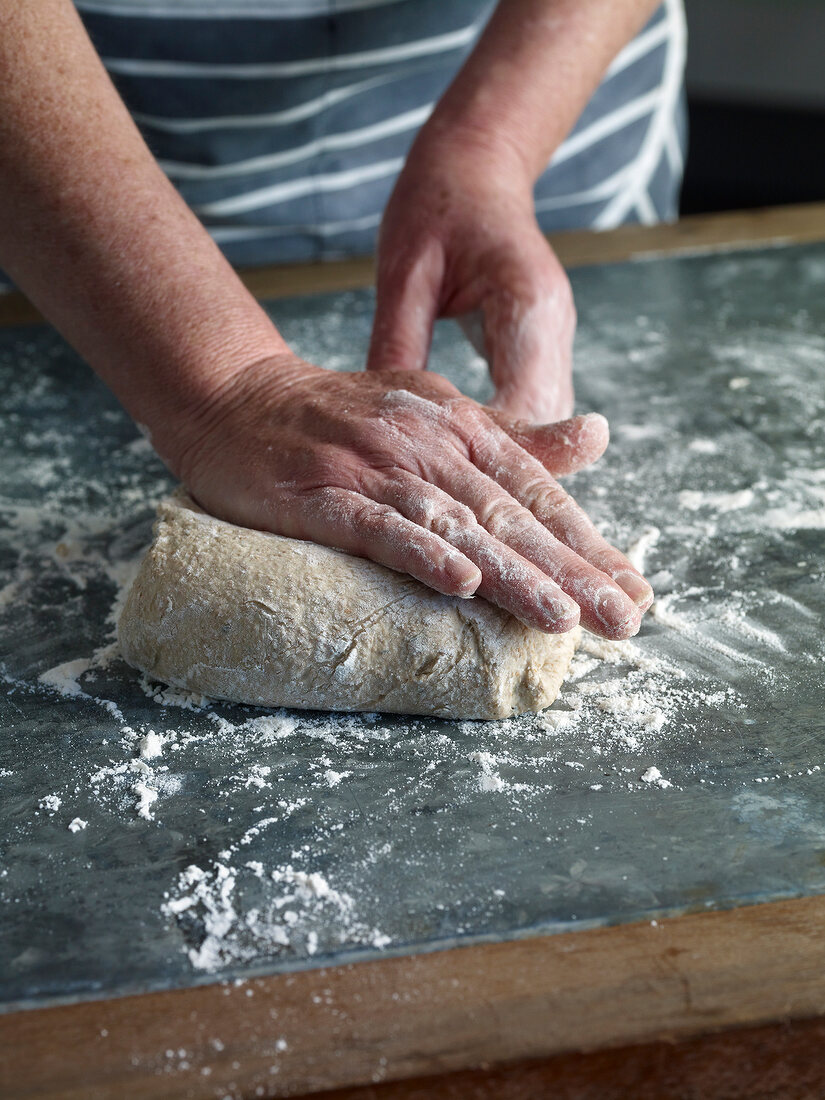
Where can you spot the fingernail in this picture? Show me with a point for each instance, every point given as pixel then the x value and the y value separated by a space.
pixel 463 576
pixel 562 612
pixel 636 587
pixel 595 421
pixel 617 614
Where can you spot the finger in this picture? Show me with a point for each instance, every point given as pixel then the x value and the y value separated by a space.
pixel 530 346
pixel 605 607
pixel 537 395
pixel 352 522
pixel 508 580
pixel 494 453
pixel 405 311
pixel 563 447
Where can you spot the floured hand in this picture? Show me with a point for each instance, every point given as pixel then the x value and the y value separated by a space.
pixel 401 468
pixel 459 238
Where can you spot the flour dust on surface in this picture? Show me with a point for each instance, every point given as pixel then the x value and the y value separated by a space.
pixel 225 839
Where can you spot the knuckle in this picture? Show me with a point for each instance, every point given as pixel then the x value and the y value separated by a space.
pixel 545 499
pixel 502 518
pixel 476 432
pixel 451 522
pixel 329 466
pixel 466 413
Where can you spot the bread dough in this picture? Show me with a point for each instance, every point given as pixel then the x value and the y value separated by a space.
pixel 257 618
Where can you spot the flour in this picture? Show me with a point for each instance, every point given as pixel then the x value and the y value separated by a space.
pixel 270 728
pixel 653 776
pixel 77 824
pixel 258 776
pixel 553 720
pixel 620 653
pixel 639 548
pixel 720 502
pixel 146 795
pixel 792 519
pixel 638 708
pixel 641 707
pixel 703 446
pixel 151 745
pixel 333 777
pixel 173 697
pixel 204 905
pixel 64 678
pixel 489 780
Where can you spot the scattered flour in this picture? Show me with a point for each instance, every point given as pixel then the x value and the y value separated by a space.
pixel 151 745
pixel 63 678
pixel 333 777
pixel 77 824
pixel 654 776
pixel 552 720
pixel 172 697
pixel 638 550
pixel 694 500
pixel 792 519
pixel 703 446
pixel 205 908
pixel 489 780
pixel 146 797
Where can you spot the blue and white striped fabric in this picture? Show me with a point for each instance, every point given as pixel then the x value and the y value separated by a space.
pixel 284 123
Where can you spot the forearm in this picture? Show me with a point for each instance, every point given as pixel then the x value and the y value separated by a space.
pixel 97 237
pixel 532 73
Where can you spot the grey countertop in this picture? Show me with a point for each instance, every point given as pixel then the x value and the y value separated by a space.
pixel 274 840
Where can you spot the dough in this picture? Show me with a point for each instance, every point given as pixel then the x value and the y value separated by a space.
pixel 256 618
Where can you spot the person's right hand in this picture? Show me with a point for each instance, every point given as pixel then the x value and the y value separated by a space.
pixel 399 467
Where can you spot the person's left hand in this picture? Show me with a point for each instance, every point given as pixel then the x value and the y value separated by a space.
pixel 459 238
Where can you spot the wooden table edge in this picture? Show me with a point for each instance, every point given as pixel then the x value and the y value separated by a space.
pixel 433 1013
pixel 697 234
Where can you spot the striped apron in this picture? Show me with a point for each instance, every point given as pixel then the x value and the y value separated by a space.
pixel 284 123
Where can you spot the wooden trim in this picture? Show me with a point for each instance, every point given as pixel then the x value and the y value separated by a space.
pixel 433 1013
pixel 695 235
pixel 784 1061
pixel 699 233
pixel 289 280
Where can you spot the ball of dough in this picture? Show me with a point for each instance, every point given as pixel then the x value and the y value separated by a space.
pixel 257 618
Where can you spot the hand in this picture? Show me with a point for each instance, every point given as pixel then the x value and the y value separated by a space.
pixel 459 239
pixel 401 468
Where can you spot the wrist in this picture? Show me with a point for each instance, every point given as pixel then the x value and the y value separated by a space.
pixel 457 161
pixel 478 147
pixel 175 400
pixel 222 406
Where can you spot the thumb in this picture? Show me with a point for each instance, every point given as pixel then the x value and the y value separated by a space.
pixel 406 306
pixel 530 347
pixel 529 323
pixel 563 447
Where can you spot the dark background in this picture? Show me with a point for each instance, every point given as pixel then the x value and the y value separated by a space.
pixel 756 103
